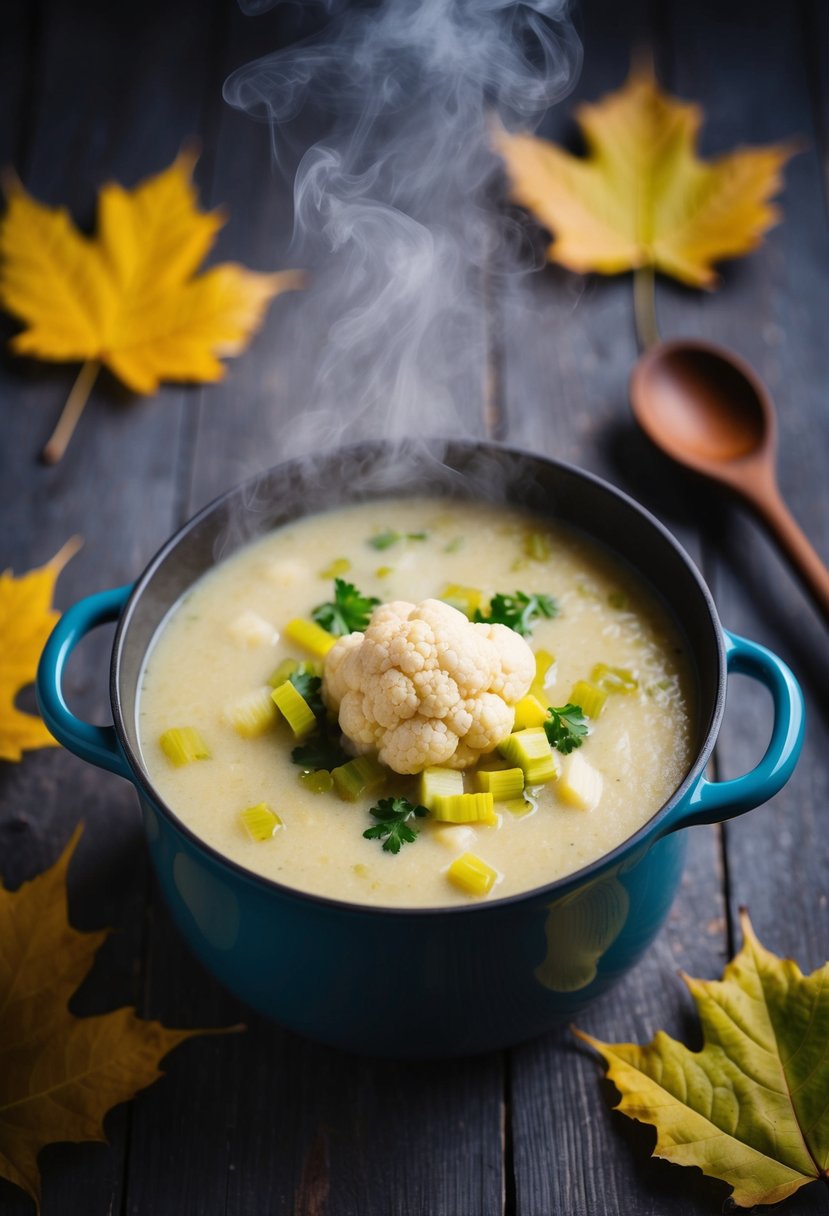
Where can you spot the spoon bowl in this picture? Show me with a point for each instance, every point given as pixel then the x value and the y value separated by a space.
pixel 706 409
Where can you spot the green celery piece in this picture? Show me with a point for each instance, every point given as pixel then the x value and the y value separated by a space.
pixel 359 776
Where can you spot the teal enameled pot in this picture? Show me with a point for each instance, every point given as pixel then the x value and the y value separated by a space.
pixel 442 981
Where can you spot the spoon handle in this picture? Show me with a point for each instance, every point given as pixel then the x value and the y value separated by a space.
pixel 798 549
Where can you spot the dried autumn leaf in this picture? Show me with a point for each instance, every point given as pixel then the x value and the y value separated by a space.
pixel 59 1074
pixel 642 197
pixel 26 620
pixel 752 1107
pixel 130 299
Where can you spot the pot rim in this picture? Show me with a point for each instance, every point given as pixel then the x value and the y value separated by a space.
pixel 547 891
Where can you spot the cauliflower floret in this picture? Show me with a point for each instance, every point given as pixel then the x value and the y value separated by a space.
pixel 424 686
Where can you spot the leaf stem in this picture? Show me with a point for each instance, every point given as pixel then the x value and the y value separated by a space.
pixel 75 402
pixel 644 307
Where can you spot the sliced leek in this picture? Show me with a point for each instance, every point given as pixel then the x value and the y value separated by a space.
pixel 182 744
pixel 260 822
pixel 465 808
pixel 252 714
pixel 503 785
pixel 589 697
pixel 359 776
pixel 472 875
pixel 438 782
pixel 531 752
pixel 311 636
pixel 294 709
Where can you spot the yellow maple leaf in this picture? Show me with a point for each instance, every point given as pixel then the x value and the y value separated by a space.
pixel 26 620
pixel 751 1107
pixel 60 1074
pixel 130 298
pixel 642 197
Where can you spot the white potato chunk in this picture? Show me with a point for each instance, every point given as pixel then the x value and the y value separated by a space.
pixel 455 837
pixel 580 784
pixel 251 629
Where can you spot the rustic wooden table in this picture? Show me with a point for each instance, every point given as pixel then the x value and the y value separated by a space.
pixel 266 1122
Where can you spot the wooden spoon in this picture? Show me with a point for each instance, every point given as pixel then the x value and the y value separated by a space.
pixel 706 409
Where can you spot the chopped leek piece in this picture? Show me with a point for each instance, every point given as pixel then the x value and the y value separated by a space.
pixel 466 599
pixel 318 781
pixel 181 744
pixel 252 714
pixel 590 697
pixel 340 565
pixel 283 672
pixel 472 874
pixel 537 546
pixel 359 776
pixel 617 600
pixel 509 783
pixel 251 629
pixel 294 709
pixel 453 545
pixel 438 782
pixel 580 784
pixel 385 540
pixel 260 822
pixel 529 711
pixel 310 635
pixel 465 808
pixel 530 750
pixel 614 679
pixel 383 571
pixel 518 807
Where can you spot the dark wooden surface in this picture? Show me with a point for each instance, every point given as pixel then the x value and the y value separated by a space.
pixel 265 1122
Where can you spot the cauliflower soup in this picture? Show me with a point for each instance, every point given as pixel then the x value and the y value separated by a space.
pixel 417 702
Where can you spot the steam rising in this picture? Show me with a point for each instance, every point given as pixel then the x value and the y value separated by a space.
pixel 392 213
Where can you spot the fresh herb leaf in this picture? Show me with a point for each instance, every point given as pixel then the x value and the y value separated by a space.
pixel 309 687
pixel 347 612
pixel 385 540
pixel 566 728
pixel 322 750
pixel 518 611
pixel 393 827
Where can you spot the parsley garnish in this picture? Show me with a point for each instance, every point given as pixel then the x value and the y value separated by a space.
pixel 393 814
pixel 322 750
pixel 309 686
pixel 566 728
pixel 385 540
pixel 347 612
pixel 517 611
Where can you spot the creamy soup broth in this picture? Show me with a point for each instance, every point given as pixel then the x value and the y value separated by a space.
pixel 203 659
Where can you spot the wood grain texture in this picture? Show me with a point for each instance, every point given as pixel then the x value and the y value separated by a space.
pixel 265 1122
pixel 109 93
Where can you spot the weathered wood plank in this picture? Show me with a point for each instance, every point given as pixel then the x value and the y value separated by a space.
pixel 103 94
pixel 568 347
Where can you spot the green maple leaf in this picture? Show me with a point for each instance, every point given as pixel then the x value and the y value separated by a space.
pixel 752 1107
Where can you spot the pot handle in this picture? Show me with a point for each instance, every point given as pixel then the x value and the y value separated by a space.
pixel 715 801
pixel 98 744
